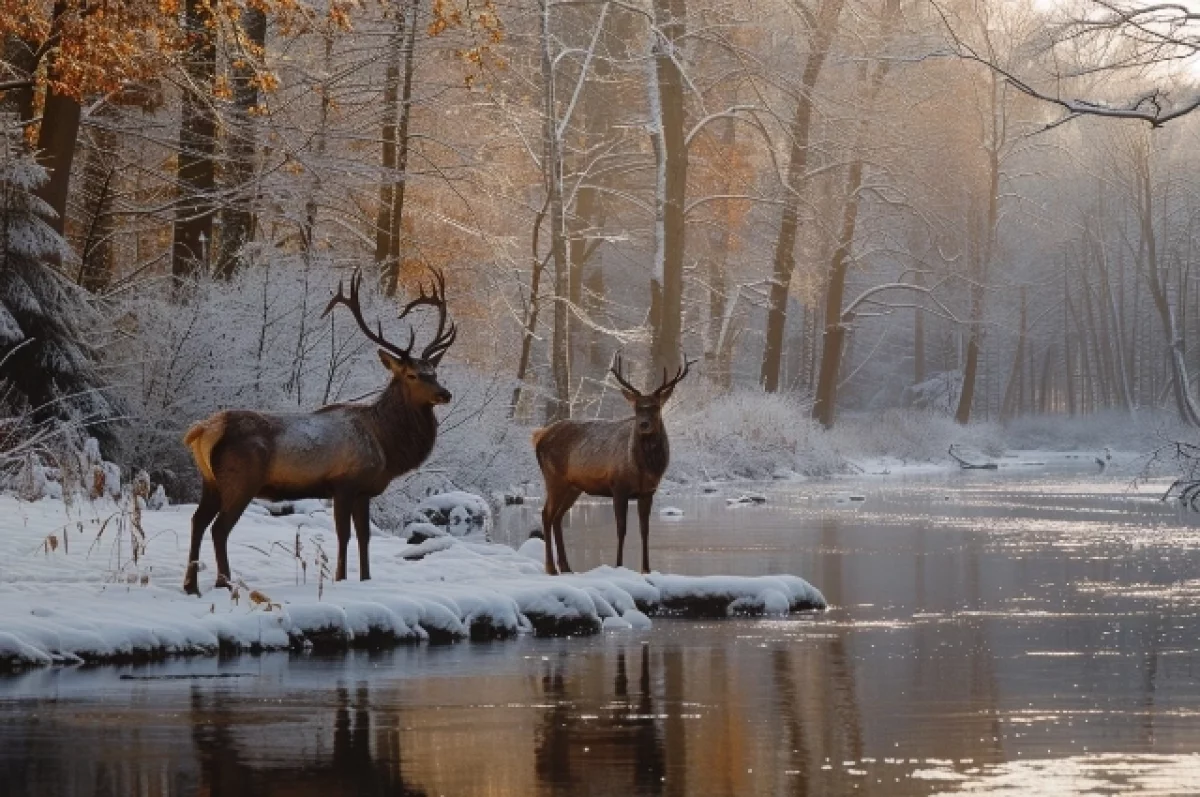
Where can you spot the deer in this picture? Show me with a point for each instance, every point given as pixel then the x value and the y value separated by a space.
pixel 347 452
pixel 622 459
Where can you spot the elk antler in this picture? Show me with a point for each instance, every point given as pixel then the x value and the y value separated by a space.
pixel 444 338
pixel 679 375
pixel 352 302
pixel 621 380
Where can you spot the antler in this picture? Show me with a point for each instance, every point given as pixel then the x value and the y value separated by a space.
pixel 679 375
pixel 621 380
pixel 436 298
pixel 352 302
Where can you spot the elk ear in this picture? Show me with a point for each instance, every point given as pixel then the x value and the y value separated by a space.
pixel 665 395
pixel 393 363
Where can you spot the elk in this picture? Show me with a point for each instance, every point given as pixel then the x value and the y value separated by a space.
pixel 347 452
pixel 621 459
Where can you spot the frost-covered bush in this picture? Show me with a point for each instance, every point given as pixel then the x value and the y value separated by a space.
pixel 913 435
pixel 1141 431
pixel 747 434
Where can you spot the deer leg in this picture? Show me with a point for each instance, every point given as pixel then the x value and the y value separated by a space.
pixel 645 502
pixel 341 522
pixel 547 534
pixel 621 510
pixel 361 513
pixel 223 525
pixel 563 507
pixel 209 508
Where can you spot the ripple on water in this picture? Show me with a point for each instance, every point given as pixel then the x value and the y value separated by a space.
pixel 1100 773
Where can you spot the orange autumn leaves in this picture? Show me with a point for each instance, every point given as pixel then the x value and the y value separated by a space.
pixel 84 48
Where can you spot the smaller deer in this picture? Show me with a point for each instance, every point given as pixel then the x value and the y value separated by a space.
pixel 620 459
pixel 347 452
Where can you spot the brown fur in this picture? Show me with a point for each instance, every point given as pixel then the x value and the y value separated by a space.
pixel 347 452
pixel 623 460
pixel 201 438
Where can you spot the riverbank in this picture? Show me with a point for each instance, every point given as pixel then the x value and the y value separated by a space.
pixel 99 581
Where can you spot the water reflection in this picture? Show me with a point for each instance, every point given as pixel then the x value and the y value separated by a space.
pixel 969 637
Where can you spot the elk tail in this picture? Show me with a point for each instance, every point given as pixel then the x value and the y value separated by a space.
pixel 201 438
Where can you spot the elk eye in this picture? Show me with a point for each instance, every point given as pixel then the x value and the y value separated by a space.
pixel 412 376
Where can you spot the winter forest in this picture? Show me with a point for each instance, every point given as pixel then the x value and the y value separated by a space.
pixel 976 211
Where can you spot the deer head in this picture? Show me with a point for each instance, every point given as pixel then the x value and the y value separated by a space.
pixel 647 408
pixel 415 376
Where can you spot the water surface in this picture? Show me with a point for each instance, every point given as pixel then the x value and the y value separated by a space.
pixel 999 633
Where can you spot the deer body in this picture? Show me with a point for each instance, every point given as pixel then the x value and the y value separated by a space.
pixel 622 460
pixel 347 452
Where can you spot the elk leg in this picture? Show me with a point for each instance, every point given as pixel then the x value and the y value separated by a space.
pixel 341 522
pixel 220 534
pixel 563 507
pixel 621 510
pixel 361 513
pixel 209 508
pixel 547 534
pixel 645 502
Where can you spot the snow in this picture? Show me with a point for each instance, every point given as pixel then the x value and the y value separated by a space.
pixel 108 587
pixel 461 514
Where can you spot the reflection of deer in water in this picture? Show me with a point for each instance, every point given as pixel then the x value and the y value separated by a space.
pixel 347 452
pixel 620 459
pixel 353 765
pixel 619 752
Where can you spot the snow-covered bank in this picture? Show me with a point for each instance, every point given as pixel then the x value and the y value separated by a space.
pixel 100 582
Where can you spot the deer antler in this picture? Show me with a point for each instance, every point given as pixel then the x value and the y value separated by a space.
pixel 444 338
pixel 352 302
pixel 679 375
pixel 621 380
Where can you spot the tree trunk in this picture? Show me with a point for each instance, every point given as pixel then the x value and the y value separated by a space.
pixel 196 172
pixel 531 311
pixel 1010 407
pixel 784 261
pixel 395 232
pixel 99 172
pixel 667 119
pixel 57 137
pixel 552 170
pixel 919 338
pixel 241 149
pixel 1069 362
pixel 1185 404
pixel 835 324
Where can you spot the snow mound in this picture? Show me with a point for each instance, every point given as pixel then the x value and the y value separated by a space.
pixel 88 598
pixel 459 513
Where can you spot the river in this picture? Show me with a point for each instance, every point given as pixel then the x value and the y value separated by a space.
pixel 1013 632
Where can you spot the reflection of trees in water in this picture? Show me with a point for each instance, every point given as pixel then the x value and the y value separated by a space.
pixel 364 761
pixel 617 750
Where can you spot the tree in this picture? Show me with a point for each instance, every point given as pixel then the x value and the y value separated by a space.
pixel 822 25
pixel 44 318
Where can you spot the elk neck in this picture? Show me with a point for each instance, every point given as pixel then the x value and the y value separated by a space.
pixel 407 431
pixel 651 452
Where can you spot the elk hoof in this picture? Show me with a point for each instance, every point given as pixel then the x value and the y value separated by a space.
pixel 551 571
pixel 222 583
pixel 191 588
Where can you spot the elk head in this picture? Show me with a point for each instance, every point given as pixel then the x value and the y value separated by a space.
pixel 647 408
pixel 416 377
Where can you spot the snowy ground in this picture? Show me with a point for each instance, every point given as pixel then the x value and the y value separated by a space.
pixel 96 581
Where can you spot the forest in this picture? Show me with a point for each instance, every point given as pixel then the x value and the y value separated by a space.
pixel 973 210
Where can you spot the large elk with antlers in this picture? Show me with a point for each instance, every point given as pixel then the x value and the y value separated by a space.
pixel 347 452
pixel 619 459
